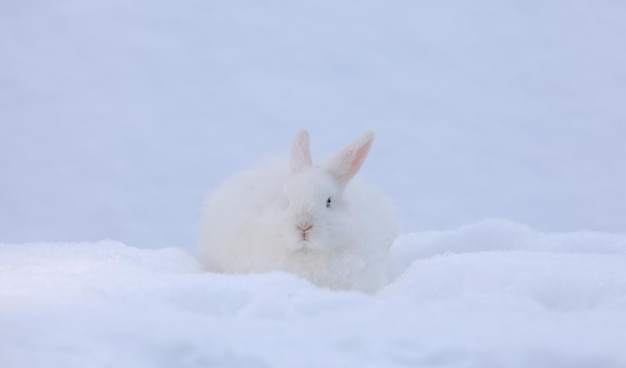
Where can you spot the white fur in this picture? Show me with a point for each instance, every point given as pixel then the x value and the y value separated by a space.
pixel 251 221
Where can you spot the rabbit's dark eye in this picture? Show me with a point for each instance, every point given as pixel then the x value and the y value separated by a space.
pixel 328 201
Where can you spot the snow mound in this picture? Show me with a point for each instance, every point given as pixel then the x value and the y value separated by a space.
pixel 500 235
pixel 490 294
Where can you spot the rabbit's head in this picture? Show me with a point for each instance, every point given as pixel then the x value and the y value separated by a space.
pixel 317 215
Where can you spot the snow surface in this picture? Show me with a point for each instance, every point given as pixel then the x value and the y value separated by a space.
pixel 493 294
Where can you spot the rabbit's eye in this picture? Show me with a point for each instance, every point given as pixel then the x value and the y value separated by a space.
pixel 328 201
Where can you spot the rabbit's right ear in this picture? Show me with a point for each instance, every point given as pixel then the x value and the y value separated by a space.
pixel 347 161
pixel 300 152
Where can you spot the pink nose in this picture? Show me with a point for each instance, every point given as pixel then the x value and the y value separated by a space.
pixel 304 226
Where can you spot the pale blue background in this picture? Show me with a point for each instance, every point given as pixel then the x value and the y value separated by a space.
pixel 117 118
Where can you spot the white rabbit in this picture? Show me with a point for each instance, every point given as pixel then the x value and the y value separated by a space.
pixel 302 218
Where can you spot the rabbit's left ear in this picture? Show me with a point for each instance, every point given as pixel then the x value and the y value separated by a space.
pixel 300 152
pixel 346 162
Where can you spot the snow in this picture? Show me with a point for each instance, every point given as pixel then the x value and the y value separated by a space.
pixel 117 118
pixel 491 294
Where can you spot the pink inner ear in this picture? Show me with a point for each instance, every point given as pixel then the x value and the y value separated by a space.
pixel 300 152
pixel 348 161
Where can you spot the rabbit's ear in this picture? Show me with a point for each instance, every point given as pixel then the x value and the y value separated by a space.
pixel 346 162
pixel 300 152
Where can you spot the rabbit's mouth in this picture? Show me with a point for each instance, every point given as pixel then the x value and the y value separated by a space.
pixel 304 244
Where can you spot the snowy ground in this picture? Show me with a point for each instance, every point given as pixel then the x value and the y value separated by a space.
pixel 493 294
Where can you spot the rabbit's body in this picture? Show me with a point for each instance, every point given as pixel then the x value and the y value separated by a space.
pixel 302 220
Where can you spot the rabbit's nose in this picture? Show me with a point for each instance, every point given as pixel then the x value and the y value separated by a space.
pixel 304 226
